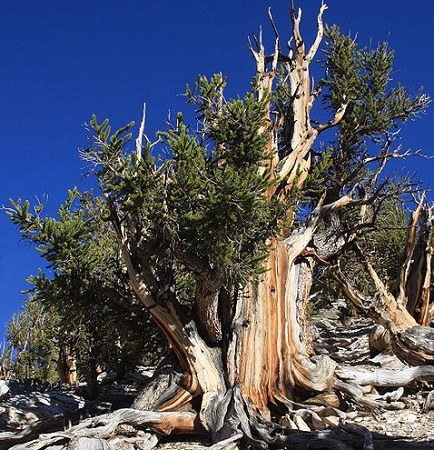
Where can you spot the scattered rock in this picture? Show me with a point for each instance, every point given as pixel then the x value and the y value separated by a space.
pixel 301 424
pixel 429 402
pixel 407 412
pixel 4 390
pixel 331 421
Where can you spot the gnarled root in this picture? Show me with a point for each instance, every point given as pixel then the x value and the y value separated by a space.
pixel 415 345
pixel 103 432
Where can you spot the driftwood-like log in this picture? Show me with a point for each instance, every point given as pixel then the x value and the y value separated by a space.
pixel 386 377
pixel 9 439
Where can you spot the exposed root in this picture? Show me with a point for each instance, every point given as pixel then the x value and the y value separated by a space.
pixel 165 384
pixel 234 422
pixel 126 422
pixel 303 427
pixel 415 345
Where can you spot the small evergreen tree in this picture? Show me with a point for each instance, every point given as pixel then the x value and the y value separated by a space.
pixel 87 311
pixel 29 344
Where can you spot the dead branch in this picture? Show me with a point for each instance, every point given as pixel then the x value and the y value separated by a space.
pixel 139 140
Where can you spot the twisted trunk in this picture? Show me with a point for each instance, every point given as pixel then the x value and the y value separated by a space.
pixel 247 354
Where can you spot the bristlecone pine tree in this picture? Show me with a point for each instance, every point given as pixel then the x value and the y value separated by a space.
pixel 221 239
pixel 81 314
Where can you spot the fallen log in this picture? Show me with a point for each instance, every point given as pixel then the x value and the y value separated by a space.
pixel 386 377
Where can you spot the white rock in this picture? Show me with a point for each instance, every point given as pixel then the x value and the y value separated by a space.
pixel 331 421
pixel 287 422
pixel 4 389
pixel 301 424
pixel 410 418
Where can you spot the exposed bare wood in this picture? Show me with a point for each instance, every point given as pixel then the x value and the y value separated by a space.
pixel 207 295
pixel 389 313
pixel 418 280
pixel 379 340
pixel 409 250
pixel 106 427
pixel 335 121
pixel 320 32
pixel 308 417
pixel 354 391
pixel 415 345
pixel 139 140
pixel 348 290
pixel 386 377
pixel 284 352
pixel 412 343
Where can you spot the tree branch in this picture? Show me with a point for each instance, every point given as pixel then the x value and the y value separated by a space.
pixel 139 140
pixel 320 33
pixel 298 40
pixel 338 117
pixel 348 290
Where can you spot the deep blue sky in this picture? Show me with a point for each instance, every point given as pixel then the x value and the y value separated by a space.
pixel 63 61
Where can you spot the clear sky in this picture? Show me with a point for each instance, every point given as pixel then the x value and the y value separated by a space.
pixel 61 61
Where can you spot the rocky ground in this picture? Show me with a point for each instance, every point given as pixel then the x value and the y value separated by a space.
pixel 407 412
pixel 346 340
pixel 409 423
